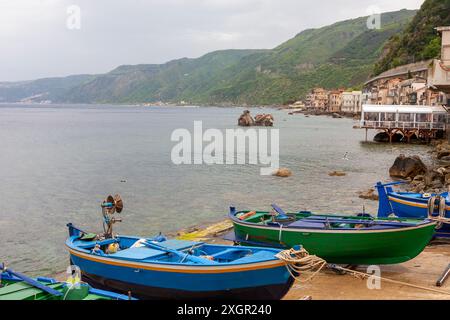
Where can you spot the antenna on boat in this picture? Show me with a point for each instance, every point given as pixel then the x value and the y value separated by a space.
pixel 110 206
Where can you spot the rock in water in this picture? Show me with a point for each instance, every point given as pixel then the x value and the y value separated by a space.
pixel 265 120
pixel 406 167
pixel 246 120
pixel 283 173
pixel 337 174
pixel 369 195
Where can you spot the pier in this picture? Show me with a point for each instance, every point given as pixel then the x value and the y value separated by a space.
pixel 409 120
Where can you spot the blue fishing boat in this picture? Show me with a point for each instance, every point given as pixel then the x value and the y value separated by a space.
pixel 175 269
pixel 414 205
pixel 17 286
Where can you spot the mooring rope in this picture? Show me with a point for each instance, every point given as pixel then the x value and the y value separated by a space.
pixel 441 219
pixel 300 261
pixel 363 275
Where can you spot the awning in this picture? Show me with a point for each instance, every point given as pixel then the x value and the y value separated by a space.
pixel 403 109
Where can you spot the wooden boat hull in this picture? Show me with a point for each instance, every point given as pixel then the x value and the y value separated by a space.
pixel 342 247
pixel 264 279
pixel 147 292
pixel 408 205
pixel 15 289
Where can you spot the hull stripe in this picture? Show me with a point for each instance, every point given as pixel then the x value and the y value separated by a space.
pixel 411 203
pixel 360 231
pixel 178 269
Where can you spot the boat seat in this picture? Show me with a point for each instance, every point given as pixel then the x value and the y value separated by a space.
pixel 91 244
pixel 257 256
pixel 140 253
pixel 307 224
pixel 175 244
pixel 223 254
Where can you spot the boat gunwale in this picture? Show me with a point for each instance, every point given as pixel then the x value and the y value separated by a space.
pixel 176 267
pixel 336 231
pixel 412 201
pixel 50 281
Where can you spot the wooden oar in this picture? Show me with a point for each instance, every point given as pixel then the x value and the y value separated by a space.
pixel 31 282
pixel 281 213
pixel 185 256
pixel 352 221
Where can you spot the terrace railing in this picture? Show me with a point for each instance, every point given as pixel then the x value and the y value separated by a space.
pixel 405 125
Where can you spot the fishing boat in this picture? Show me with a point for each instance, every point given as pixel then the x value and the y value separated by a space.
pixel 337 239
pixel 17 286
pixel 414 205
pixel 152 268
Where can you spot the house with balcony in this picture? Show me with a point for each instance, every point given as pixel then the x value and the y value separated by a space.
pixel 352 102
pixel 335 101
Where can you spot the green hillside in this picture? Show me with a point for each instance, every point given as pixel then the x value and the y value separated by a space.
pixel 419 41
pixel 339 55
pixel 43 89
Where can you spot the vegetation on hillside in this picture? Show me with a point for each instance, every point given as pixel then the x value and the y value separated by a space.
pixel 339 55
pixel 419 41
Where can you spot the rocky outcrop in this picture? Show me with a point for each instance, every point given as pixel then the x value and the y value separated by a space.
pixel 407 167
pixel 423 179
pixel 246 120
pixel 265 120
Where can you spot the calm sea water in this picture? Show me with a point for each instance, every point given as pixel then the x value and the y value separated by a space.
pixel 57 163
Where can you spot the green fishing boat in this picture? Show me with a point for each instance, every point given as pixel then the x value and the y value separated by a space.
pixel 358 240
pixel 16 286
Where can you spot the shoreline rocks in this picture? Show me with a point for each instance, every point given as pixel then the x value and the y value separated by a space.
pixel 421 178
pixel 407 167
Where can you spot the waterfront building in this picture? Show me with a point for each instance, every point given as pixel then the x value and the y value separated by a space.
pixel 412 92
pixel 421 83
pixel 352 102
pixel 439 73
pixel 318 99
pixel 335 101
pixel 409 120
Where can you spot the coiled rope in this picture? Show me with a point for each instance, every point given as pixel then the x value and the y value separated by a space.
pixel 298 261
pixel 442 206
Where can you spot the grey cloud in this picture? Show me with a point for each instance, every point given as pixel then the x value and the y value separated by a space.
pixel 36 42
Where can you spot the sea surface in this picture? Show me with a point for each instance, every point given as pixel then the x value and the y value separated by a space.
pixel 57 164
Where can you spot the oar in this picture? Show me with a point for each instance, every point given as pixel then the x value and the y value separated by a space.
pixel 181 255
pixel 281 213
pixel 31 282
pixel 370 222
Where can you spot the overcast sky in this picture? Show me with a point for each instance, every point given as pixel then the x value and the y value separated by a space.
pixel 36 42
